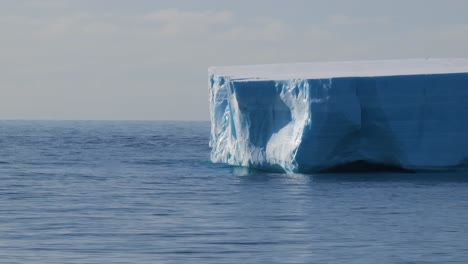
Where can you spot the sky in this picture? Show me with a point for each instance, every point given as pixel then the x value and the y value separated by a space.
pixel 148 59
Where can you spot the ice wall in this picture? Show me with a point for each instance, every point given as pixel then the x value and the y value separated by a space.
pixel 410 114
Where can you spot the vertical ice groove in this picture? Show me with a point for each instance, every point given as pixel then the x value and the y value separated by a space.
pixel 219 115
pixel 281 149
pixel 238 136
pixel 229 137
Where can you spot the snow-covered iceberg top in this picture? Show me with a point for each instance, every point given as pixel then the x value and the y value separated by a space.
pixel 409 114
pixel 321 70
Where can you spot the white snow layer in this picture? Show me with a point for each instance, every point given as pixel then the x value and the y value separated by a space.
pixel 409 114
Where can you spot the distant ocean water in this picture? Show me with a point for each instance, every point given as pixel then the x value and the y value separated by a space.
pixel 146 192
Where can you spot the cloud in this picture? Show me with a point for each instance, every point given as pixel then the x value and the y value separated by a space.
pixel 346 20
pixel 259 29
pixel 174 22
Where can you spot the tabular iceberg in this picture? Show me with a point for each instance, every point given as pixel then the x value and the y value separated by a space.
pixel 409 114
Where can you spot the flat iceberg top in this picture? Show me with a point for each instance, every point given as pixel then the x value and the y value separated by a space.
pixel 324 70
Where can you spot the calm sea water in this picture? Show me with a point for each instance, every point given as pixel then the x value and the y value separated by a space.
pixel 145 192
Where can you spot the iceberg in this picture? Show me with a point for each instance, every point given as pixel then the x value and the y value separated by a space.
pixel 308 117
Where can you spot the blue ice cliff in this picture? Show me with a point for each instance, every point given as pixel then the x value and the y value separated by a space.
pixel 410 114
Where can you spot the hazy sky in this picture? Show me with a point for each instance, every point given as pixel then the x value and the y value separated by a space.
pixel 116 59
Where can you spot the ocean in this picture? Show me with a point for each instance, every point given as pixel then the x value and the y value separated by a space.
pixel 146 192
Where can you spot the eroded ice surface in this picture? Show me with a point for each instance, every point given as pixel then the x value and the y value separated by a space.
pixel 309 117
